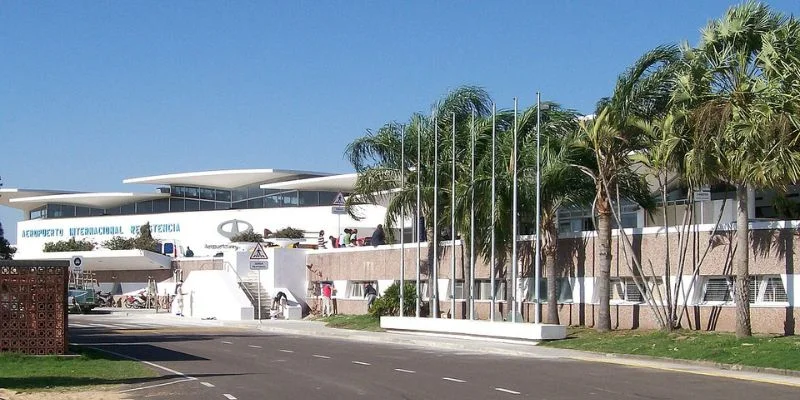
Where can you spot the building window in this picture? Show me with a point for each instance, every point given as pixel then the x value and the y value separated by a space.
pixel 767 289
pixel 563 290
pixel 718 289
pixel 355 289
pixel 459 287
pixel 625 290
pixel 483 289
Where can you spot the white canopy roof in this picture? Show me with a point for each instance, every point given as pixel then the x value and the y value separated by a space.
pixel 95 200
pixel 108 260
pixel 334 183
pixel 7 195
pixel 224 179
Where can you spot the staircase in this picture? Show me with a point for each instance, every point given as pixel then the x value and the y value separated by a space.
pixel 250 287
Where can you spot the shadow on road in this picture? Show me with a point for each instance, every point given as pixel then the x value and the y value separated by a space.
pixel 45 382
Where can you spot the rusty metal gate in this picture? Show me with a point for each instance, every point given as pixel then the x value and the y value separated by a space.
pixel 33 309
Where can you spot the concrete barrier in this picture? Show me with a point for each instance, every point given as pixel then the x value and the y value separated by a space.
pixel 495 329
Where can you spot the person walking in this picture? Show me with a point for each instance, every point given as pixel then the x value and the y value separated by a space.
pixel 370 294
pixel 327 299
pixel 378 237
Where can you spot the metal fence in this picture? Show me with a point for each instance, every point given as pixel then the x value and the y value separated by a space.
pixel 33 309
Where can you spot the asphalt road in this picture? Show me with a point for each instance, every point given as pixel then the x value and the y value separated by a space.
pixel 222 363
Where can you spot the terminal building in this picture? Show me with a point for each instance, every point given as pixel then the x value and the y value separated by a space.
pixel 201 211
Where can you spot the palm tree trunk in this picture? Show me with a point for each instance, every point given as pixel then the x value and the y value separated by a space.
pixel 603 323
pixel 742 289
pixel 550 270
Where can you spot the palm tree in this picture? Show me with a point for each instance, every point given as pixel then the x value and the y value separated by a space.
pixel 743 110
pixel 376 157
pixel 641 92
pixel 562 183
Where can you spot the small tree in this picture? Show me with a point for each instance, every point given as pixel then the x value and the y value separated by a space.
pixel 288 233
pixel 389 303
pixel 6 251
pixel 248 236
pixel 145 239
pixel 120 243
pixel 68 245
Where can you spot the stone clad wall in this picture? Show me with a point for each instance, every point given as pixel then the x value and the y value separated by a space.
pixel 33 306
pixel 773 251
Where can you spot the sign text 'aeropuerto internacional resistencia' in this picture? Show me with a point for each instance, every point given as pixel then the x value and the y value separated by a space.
pixel 98 231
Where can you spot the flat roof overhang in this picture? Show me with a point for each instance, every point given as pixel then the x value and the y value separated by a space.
pixel 225 179
pixel 108 260
pixel 9 195
pixel 333 183
pixel 94 200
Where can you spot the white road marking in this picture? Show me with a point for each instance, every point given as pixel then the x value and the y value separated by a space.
pixel 408 371
pixel 226 342
pixel 113 344
pixel 319 356
pixel 104 326
pixel 158 385
pixel 286 351
pixel 152 364
pixel 253 346
pixel 453 379
pixel 505 390
pixel 206 384
pixel 129 326
pixel 78 325
pixel 229 396
pixel 361 363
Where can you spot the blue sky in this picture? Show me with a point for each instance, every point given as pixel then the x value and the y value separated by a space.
pixel 94 92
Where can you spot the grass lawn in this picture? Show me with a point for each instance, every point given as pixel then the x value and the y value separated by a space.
pixel 364 322
pixel 759 351
pixel 90 367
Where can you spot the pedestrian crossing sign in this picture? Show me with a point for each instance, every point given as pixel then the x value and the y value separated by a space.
pixel 339 200
pixel 258 253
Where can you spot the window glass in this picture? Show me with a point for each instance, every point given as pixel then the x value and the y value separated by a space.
pixel 326 198
pixel 239 194
pixel 222 206
pixel 113 211
pixel 54 211
pixel 718 289
pixel 207 194
pixel 223 195
pixel 192 192
pixel 161 205
pixel 177 191
pixel 67 211
pixel 774 290
pixel 254 191
pixel 81 212
pixel 144 207
pixel 272 201
pixel 206 205
pixel 128 209
pixel 175 205
pixel 192 205
pixel 309 199
pixel 356 288
pixel 96 212
pixel 290 199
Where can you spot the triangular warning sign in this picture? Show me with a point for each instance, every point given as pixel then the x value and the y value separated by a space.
pixel 339 200
pixel 258 253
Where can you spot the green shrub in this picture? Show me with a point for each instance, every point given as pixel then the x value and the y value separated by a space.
pixel 68 245
pixel 389 303
pixel 119 243
pixel 145 240
pixel 288 233
pixel 248 236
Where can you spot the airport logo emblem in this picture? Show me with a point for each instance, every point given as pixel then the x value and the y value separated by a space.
pixel 233 227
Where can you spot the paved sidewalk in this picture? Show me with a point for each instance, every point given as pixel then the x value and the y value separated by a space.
pixel 506 348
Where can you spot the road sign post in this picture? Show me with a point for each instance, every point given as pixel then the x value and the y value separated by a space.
pixel 259 262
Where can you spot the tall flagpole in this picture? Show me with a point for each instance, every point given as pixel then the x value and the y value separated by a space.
pixel 453 227
pixel 434 281
pixel 419 233
pixel 494 198
pixel 514 234
pixel 537 318
pixel 472 222
pixel 402 220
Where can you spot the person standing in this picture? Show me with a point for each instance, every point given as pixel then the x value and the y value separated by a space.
pixel 321 240
pixel 378 237
pixel 354 237
pixel 347 237
pixel 334 242
pixel 371 294
pixel 327 299
pixel 179 299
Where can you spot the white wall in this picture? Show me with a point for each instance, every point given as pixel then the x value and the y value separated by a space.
pixel 196 229
pixel 215 294
pixel 290 272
